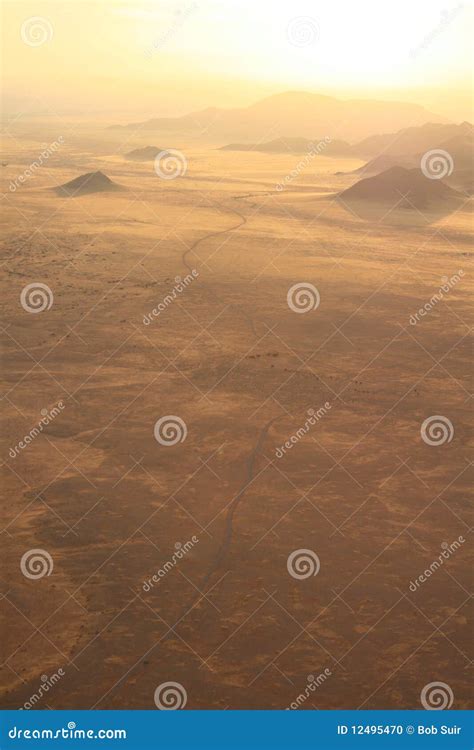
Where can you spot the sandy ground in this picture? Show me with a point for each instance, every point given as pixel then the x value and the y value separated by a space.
pixel 228 356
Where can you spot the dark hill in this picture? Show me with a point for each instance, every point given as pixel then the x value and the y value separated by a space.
pixel 147 153
pixel 395 183
pixel 91 182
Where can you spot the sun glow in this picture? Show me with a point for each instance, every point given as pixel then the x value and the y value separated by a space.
pixel 156 50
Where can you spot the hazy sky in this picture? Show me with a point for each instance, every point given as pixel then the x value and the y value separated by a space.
pixel 172 56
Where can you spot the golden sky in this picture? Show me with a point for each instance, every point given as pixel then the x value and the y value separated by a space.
pixel 172 56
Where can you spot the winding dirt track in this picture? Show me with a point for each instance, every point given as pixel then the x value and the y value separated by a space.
pixel 228 531
pixel 184 258
pixel 227 538
pixel 197 242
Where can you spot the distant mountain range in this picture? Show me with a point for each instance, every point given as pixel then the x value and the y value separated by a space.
pixel 405 148
pixel 393 168
pixel 413 140
pixel 456 140
pixel 391 147
pixel 381 163
pixel 293 114
pixel 295 146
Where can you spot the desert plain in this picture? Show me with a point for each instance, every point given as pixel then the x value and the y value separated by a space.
pixel 243 371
